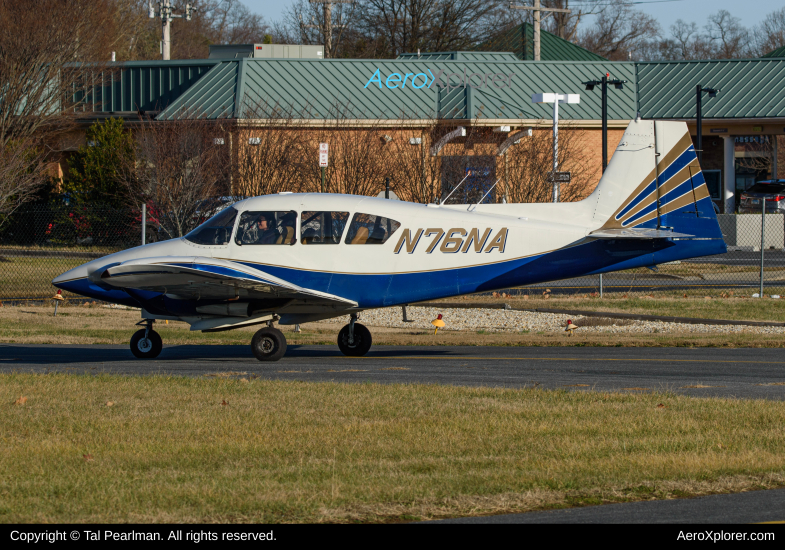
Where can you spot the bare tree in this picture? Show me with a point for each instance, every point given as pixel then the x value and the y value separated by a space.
pixel 413 171
pixel 268 151
pixel 619 31
pixel 684 35
pixel 179 164
pixel 727 35
pixel 22 172
pixel 429 25
pixel 359 155
pixel 49 52
pixel 770 34
pixel 305 24
pixel 527 164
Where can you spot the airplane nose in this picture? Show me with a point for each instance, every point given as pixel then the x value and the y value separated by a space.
pixel 75 273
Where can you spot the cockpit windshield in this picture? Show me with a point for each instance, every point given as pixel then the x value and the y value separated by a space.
pixel 215 231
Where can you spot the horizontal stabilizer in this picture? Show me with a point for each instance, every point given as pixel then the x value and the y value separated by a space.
pixel 634 233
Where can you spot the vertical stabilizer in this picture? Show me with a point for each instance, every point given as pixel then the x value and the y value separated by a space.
pixel 636 191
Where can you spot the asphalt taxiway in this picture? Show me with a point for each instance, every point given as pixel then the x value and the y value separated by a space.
pixel 749 507
pixel 742 373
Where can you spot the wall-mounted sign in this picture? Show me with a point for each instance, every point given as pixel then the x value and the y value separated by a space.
pixel 751 139
pixel 757 128
pixel 559 177
pixel 719 130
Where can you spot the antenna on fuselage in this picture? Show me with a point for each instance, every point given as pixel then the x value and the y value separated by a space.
pixel 455 189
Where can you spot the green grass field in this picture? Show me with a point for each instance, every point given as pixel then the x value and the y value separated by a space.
pixel 166 449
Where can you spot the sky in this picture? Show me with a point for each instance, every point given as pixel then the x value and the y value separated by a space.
pixel 665 11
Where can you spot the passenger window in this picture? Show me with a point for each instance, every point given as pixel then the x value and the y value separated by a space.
pixel 216 230
pixel 266 227
pixel 323 227
pixel 370 229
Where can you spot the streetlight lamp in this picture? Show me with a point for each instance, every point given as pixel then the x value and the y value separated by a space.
pixel 556 99
pixel 699 92
pixel 619 85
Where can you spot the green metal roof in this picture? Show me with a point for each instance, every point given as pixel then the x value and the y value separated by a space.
pixel 779 52
pixel 212 96
pixel 142 85
pixel 316 89
pixel 749 88
pixel 459 56
pixel 520 41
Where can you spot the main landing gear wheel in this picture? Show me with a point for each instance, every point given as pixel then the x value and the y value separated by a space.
pixel 268 344
pixel 355 345
pixel 146 344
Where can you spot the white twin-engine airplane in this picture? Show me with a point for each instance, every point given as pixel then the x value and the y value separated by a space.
pixel 295 258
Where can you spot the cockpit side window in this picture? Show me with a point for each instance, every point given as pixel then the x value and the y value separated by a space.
pixel 370 229
pixel 323 227
pixel 266 227
pixel 215 231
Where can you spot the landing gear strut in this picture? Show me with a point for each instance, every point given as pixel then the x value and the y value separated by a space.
pixel 354 339
pixel 268 344
pixel 146 343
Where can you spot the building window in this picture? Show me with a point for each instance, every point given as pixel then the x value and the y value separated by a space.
pixel 478 173
pixel 713 183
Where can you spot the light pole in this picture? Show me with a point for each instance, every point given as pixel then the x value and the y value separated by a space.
pixel 619 85
pixel 555 99
pixel 699 92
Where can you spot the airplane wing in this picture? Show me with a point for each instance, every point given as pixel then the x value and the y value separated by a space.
pixel 194 277
pixel 635 233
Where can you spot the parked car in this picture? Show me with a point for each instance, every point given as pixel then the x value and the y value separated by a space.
pixel 772 191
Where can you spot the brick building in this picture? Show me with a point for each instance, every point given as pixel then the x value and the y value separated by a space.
pixel 434 101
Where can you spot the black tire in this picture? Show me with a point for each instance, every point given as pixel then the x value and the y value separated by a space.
pixel 148 348
pixel 268 344
pixel 362 341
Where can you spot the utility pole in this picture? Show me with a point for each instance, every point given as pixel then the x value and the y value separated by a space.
pixel 699 91
pixel 327 23
pixel 536 9
pixel 165 12
pixel 619 85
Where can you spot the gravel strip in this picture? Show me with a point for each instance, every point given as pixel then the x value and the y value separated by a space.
pixel 499 320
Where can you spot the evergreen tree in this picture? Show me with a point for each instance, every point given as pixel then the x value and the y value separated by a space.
pixel 96 171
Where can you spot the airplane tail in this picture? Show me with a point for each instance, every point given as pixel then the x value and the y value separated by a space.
pixel 654 181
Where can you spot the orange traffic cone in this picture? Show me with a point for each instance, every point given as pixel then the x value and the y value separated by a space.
pixel 438 323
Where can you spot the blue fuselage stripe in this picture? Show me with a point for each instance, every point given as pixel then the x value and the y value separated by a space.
pixel 379 290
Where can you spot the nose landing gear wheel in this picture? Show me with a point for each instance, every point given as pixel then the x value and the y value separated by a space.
pixel 146 347
pixel 361 342
pixel 268 344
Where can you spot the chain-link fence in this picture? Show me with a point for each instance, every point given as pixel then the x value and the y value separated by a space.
pixel 40 242
pixel 747 269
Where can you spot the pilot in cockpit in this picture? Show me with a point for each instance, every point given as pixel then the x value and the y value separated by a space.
pixel 261 230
